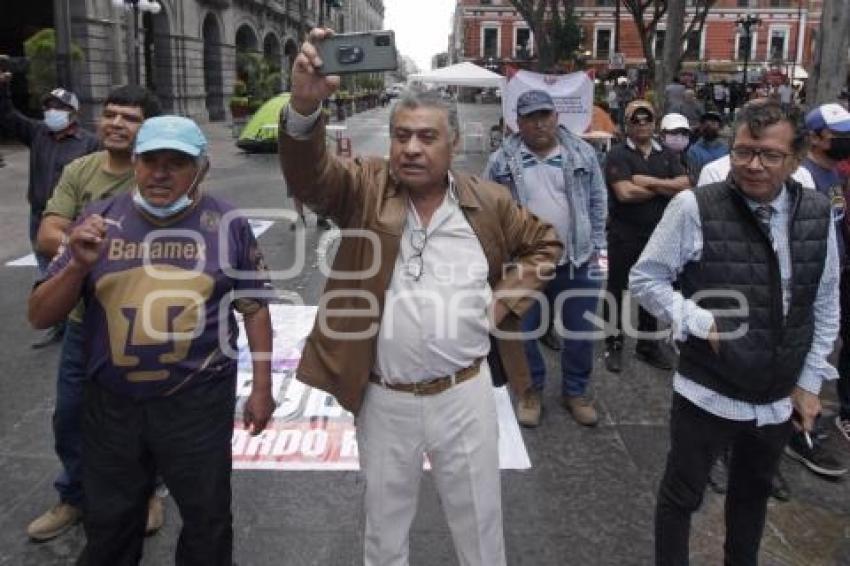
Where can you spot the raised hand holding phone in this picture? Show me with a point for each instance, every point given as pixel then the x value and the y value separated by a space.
pixel 309 88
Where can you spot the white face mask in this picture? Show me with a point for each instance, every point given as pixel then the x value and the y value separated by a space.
pixel 56 120
pixel 676 142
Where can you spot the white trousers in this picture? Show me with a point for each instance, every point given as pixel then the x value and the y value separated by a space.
pixel 458 430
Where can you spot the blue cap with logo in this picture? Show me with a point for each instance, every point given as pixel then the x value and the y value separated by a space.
pixel 828 117
pixel 533 101
pixel 171 132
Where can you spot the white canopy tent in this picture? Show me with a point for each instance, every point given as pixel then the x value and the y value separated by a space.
pixel 461 74
pixel 799 73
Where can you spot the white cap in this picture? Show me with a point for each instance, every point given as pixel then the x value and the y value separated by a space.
pixel 674 121
pixel 828 116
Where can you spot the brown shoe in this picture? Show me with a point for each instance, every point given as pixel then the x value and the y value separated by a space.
pixel 54 522
pixel 582 410
pixel 156 515
pixel 529 409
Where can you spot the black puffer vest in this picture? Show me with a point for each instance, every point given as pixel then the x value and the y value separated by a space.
pixel 761 357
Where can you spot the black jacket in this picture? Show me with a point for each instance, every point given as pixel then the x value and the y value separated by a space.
pixel 48 155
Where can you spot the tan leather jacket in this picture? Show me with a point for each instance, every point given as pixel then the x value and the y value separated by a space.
pixel 361 194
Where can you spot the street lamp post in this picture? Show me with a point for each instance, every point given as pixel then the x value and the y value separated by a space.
pixel 801 26
pixel 746 24
pixel 135 6
pixel 62 16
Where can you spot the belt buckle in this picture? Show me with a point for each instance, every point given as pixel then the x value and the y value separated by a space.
pixel 427 387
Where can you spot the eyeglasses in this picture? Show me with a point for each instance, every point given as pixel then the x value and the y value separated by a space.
pixel 767 157
pixel 415 264
pixel 640 121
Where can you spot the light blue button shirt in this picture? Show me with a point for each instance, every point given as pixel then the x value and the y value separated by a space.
pixel 676 241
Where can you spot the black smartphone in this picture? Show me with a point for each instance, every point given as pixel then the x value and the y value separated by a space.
pixel 365 52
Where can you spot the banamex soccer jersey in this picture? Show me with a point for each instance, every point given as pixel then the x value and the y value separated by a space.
pixel 159 310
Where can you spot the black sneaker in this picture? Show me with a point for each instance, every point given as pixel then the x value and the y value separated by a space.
pixel 779 490
pixel 614 357
pixel 821 431
pixel 654 356
pixel 816 459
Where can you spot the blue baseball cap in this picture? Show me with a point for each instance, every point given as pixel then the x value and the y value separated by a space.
pixel 828 117
pixel 171 132
pixel 532 101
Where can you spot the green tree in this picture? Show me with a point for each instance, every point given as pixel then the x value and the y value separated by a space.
pixel 647 14
pixel 260 76
pixel 40 49
pixel 829 72
pixel 556 31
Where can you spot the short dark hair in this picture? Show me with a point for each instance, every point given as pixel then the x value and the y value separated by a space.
pixel 134 95
pixel 760 114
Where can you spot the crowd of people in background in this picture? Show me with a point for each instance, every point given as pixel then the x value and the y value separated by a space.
pixel 724 189
pixel 690 100
pixel 702 129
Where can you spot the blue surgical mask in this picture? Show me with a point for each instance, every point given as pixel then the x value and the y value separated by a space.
pixel 162 212
pixel 175 207
pixel 56 120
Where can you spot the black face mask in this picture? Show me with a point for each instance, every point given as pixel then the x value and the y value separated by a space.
pixel 839 149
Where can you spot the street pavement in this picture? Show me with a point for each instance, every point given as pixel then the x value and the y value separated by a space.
pixel 587 500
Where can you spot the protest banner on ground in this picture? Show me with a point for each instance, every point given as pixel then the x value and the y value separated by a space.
pixel 309 430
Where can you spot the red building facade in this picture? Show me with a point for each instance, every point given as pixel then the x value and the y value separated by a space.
pixel 491 33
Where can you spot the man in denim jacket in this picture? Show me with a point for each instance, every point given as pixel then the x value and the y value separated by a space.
pixel 556 176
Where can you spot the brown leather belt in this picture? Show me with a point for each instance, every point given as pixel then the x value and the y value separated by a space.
pixel 432 386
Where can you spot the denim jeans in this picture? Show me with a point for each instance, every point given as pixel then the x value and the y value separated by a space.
pixel 41 261
pixel 67 416
pixel 576 354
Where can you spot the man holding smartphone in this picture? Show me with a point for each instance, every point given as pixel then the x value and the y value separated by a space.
pixel 380 345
